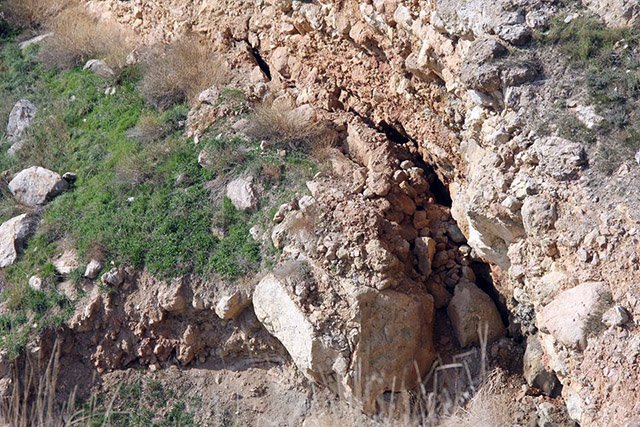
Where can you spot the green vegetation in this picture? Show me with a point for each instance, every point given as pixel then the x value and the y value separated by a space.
pixel 140 198
pixel 142 403
pixel 610 59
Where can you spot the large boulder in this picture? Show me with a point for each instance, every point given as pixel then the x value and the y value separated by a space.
pixel 471 311
pixel 576 313
pixel 388 346
pixel 35 186
pixel 283 318
pixel 13 236
pixel 20 118
pixel 242 194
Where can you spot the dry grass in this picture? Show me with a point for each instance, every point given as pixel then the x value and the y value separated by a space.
pixel 279 123
pixel 457 394
pixel 180 71
pixel 34 399
pixel 32 14
pixel 79 36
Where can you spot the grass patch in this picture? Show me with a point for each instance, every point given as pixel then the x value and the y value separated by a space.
pixel 609 58
pixel 140 195
pixel 142 402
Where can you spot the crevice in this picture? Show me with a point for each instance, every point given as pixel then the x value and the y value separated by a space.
pixel 395 135
pixel 484 281
pixel 438 188
pixel 264 67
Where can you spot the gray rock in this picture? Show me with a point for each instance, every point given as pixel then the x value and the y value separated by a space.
pixel 535 372
pixel 545 415
pixel 67 262
pixel 616 13
pixel 392 338
pixel 454 233
pixel 538 215
pixel 13 235
pixel 559 158
pixel 616 316
pixel 479 71
pixel 35 186
pixel 424 250
pixel 20 118
pixel 518 72
pixel 209 96
pixel 471 311
pixel 113 277
pixel 99 68
pixel 517 34
pixel 35 283
pixel 242 194
pixel 93 269
pixel 575 313
pixel 34 40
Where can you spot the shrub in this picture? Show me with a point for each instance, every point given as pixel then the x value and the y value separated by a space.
pixel 178 72
pixel 79 36
pixel 278 122
pixel 32 13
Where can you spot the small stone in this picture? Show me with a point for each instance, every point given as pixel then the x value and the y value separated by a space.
pixel 20 118
pixel 99 68
pixel 242 193
pixel 441 295
pixel 93 269
pixel 113 277
pixel 67 262
pixel 35 283
pixel 407 164
pixel 205 159
pixel 616 316
pixel 424 250
pixel 14 234
pixel 232 305
pixel 172 298
pixel 454 233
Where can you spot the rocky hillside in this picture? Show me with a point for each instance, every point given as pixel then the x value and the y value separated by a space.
pixel 319 213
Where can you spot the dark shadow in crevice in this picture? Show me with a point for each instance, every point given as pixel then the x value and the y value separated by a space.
pixel 396 135
pixel 485 282
pixel 255 52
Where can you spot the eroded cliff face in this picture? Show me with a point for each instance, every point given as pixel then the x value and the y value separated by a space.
pixel 455 85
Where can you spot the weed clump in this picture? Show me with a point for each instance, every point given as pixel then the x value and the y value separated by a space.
pixel 79 36
pixel 179 72
pixel 279 123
